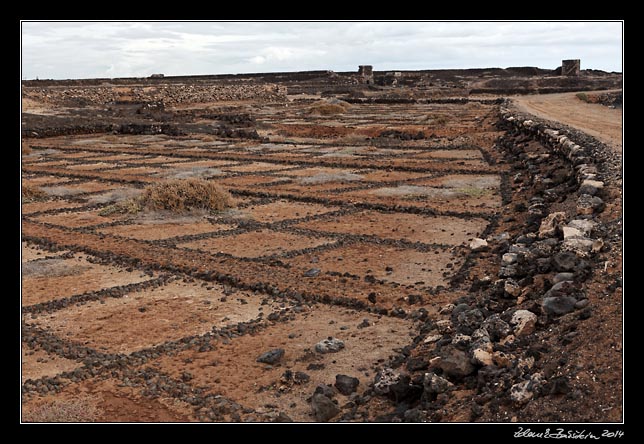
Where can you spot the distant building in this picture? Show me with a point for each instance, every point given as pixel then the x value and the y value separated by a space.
pixel 157 76
pixel 366 74
pixel 570 68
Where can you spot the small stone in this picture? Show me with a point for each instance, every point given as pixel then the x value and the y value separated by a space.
pixel 325 390
pixel 550 224
pixel 323 408
pixel 582 304
pixel 433 383
pixel 478 244
pixel 587 204
pixel 346 384
pixel 301 378
pixel 282 417
pixel 312 272
pixel 413 415
pixel 524 391
pixel 562 277
pixel 315 366
pixel 591 187
pixel 509 339
pixel 482 357
pixel 469 320
pixel 496 328
pixel 455 363
pixel 570 232
pixel 584 226
pixel 444 326
pixel 405 390
pixel 579 245
pixel 501 359
pixel 364 324
pixel 461 340
pixel 563 288
pixel 508 271
pixel 272 356
pixel 329 345
pixel 510 258
pixel 526 363
pixel 520 393
pixel 597 246
pixel 384 379
pixel 558 305
pixel 565 261
pixel 512 288
pixel 524 322
pixel 432 338
pixel 415 364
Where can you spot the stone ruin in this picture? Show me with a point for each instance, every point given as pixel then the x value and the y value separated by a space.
pixel 570 68
pixel 366 74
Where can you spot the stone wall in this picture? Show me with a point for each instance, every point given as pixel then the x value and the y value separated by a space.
pixel 166 94
pixel 577 231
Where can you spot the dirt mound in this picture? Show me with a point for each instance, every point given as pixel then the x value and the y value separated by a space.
pixel 329 108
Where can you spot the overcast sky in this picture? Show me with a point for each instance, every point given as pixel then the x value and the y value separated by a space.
pixel 64 50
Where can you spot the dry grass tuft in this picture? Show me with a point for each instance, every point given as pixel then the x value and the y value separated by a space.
pixel 329 108
pixel 31 193
pixel 184 195
pixel 79 409
pixel 128 206
pixel 177 196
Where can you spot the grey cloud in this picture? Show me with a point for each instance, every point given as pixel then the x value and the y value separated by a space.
pixel 115 49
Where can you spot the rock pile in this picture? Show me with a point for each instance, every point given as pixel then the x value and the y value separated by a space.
pixel 489 340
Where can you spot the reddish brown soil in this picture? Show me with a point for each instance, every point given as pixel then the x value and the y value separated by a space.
pixel 411 227
pixel 284 210
pixel 67 277
pixel 150 317
pixel 208 293
pixel 256 243
pixel 163 230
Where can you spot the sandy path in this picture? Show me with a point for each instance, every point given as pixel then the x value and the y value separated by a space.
pixel 597 120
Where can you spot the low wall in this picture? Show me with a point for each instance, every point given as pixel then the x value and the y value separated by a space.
pixel 166 94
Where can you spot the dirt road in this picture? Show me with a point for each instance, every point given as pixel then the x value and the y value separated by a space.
pixel 597 120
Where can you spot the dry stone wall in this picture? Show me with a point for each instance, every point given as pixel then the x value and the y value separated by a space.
pixel 167 94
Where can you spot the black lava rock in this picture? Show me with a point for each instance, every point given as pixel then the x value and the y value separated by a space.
pixel 272 356
pixel 323 408
pixel 312 272
pixel 346 384
pixel 558 305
